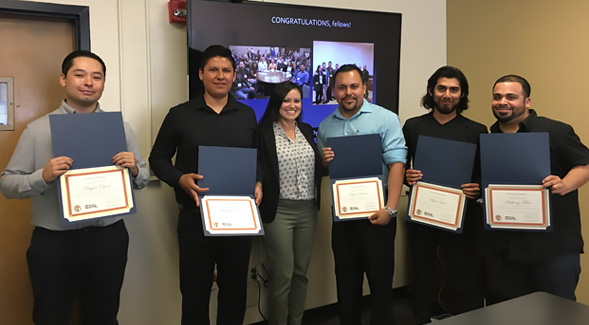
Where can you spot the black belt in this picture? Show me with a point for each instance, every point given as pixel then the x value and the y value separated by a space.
pixel 85 229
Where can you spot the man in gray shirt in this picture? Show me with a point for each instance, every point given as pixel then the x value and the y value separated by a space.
pixel 84 260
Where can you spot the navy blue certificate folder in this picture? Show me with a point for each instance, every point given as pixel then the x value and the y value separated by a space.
pixel 514 158
pixel 444 162
pixel 227 170
pixel 357 156
pixel 91 140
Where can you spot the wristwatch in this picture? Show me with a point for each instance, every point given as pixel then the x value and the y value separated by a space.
pixel 392 213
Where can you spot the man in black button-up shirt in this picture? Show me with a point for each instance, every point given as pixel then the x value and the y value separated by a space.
pixel 214 118
pixel 521 262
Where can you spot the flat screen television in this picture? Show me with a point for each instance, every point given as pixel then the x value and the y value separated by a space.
pixel 272 41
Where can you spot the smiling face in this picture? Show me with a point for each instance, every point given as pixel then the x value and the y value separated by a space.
pixel 291 106
pixel 510 106
pixel 217 77
pixel 349 92
pixel 446 95
pixel 83 83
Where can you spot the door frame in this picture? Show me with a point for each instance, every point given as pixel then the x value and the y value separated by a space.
pixel 79 15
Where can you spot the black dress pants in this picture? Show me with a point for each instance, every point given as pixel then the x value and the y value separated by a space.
pixel 88 264
pixel 198 256
pixel 359 247
pixel 507 279
pixel 458 250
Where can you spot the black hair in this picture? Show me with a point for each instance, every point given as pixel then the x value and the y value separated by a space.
pixel 68 62
pixel 526 88
pixel 214 51
pixel 346 68
pixel 451 73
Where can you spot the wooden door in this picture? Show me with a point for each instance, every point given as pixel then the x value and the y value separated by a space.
pixel 31 52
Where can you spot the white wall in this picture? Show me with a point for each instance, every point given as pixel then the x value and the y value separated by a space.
pixel 146 59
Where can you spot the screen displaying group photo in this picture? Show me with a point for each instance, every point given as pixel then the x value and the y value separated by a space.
pixel 273 43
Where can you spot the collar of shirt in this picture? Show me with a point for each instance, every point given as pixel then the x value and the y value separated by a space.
pixel 278 129
pixel 202 104
pixel 67 109
pixel 456 118
pixel 364 109
pixel 524 126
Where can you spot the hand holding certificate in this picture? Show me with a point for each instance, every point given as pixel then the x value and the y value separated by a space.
pixel 356 176
pixel 438 199
pixel 523 161
pixel 227 209
pixel 93 188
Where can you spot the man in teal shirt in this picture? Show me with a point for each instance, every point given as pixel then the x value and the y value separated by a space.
pixel 365 246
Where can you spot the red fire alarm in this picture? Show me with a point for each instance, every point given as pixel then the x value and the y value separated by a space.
pixel 177 11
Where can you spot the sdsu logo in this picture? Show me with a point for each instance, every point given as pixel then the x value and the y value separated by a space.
pixel 418 212
pixel 77 208
pixel 498 217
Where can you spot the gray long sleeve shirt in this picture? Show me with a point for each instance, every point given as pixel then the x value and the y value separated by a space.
pixel 23 178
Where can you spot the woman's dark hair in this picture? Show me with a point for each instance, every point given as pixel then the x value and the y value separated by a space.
pixel 282 89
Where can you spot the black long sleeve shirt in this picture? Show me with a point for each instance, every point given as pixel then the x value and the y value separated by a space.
pixel 192 124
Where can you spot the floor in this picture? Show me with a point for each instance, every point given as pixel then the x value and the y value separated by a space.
pixel 401 311
pixel 327 315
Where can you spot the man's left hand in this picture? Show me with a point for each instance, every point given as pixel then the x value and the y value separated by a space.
pixel 380 218
pixel 258 193
pixel 556 184
pixel 575 178
pixel 471 190
pixel 126 159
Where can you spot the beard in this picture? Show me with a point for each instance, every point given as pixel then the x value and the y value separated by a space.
pixel 505 118
pixel 446 109
pixel 350 107
pixel 515 113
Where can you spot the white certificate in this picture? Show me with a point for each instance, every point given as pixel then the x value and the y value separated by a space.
pixel 523 207
pixel 357 198
pixel 98 192
pixel 230 216
pixel 437 205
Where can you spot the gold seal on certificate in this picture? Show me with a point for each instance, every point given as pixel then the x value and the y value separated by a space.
pixel 436 205
pixel 357 198
pixel 517 207
pixel 89 193
pixel 230 216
